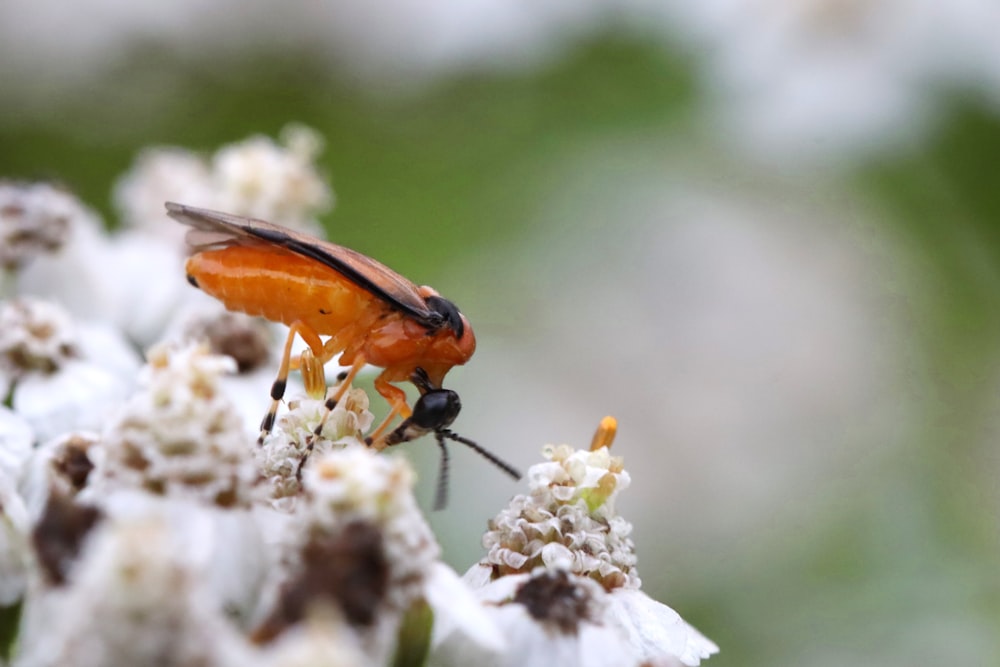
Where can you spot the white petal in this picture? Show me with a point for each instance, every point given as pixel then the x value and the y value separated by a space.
pixel 478 576
pixel 78 396
pixel 16 440
pixel 149 285
pixel 655 630
pixel 14 550
pixel 457 611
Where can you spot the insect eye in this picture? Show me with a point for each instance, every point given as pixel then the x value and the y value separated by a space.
pixel 448 313
pixel 436 409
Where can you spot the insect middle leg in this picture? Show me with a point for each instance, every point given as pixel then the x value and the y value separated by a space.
pixel 345 383
pixel 312 339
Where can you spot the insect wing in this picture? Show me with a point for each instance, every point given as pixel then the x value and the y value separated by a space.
pixel 213 229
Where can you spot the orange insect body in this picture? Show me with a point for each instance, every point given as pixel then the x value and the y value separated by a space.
pixel 371 314
pixel 284 287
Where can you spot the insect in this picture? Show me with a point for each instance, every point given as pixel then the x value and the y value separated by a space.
pixel 370 313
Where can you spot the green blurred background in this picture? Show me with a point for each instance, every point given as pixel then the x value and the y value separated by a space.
pixel 801 344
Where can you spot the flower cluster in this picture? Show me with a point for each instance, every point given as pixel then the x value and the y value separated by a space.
pixel 142 522
pixel 256 177
pixel 560 573
pixel 567 520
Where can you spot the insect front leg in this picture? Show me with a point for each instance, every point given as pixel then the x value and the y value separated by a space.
pixel 312 339
pixel 396 398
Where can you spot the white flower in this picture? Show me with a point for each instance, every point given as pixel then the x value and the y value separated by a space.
pixel 553 617
pixel 144 284
pixel 322 641
pixel 60 466
pixel 159 175
pixel 358 542
pixel 655 632
pixel 136 595
pixel 60 375
pixel 76 272
pixel 93 275
pixel 252 344
pixel 224 544
pixel 179 435
pixel 559 575
pixel 567 519
pixel 276 182
pixel 285 450
pixel 35 336
pixel 35 219
pixel 256 177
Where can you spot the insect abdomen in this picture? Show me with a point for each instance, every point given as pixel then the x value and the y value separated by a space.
pixel 278 286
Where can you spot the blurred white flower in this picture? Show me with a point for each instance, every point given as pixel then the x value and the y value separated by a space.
pixel 833 78
pixel 144 285
pixel 358 542
pixel 406 42
pixel 35 218
pixel 249 341
pixel 224 544
pixel 115 280
pixel 559 574
pixel 60 375
pixel 277 182
pixel 179 435
pixel 157 175
pixel 74 273
pixel 322 640
pixel 60 466
pixel 136 595
pixel 256 177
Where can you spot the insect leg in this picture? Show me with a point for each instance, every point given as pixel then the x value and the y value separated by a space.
pixel 312 339
pixel 396 398
pixel 345 384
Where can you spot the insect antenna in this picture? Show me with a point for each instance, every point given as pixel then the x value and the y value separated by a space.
pixel 485 453
pixel 441 494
